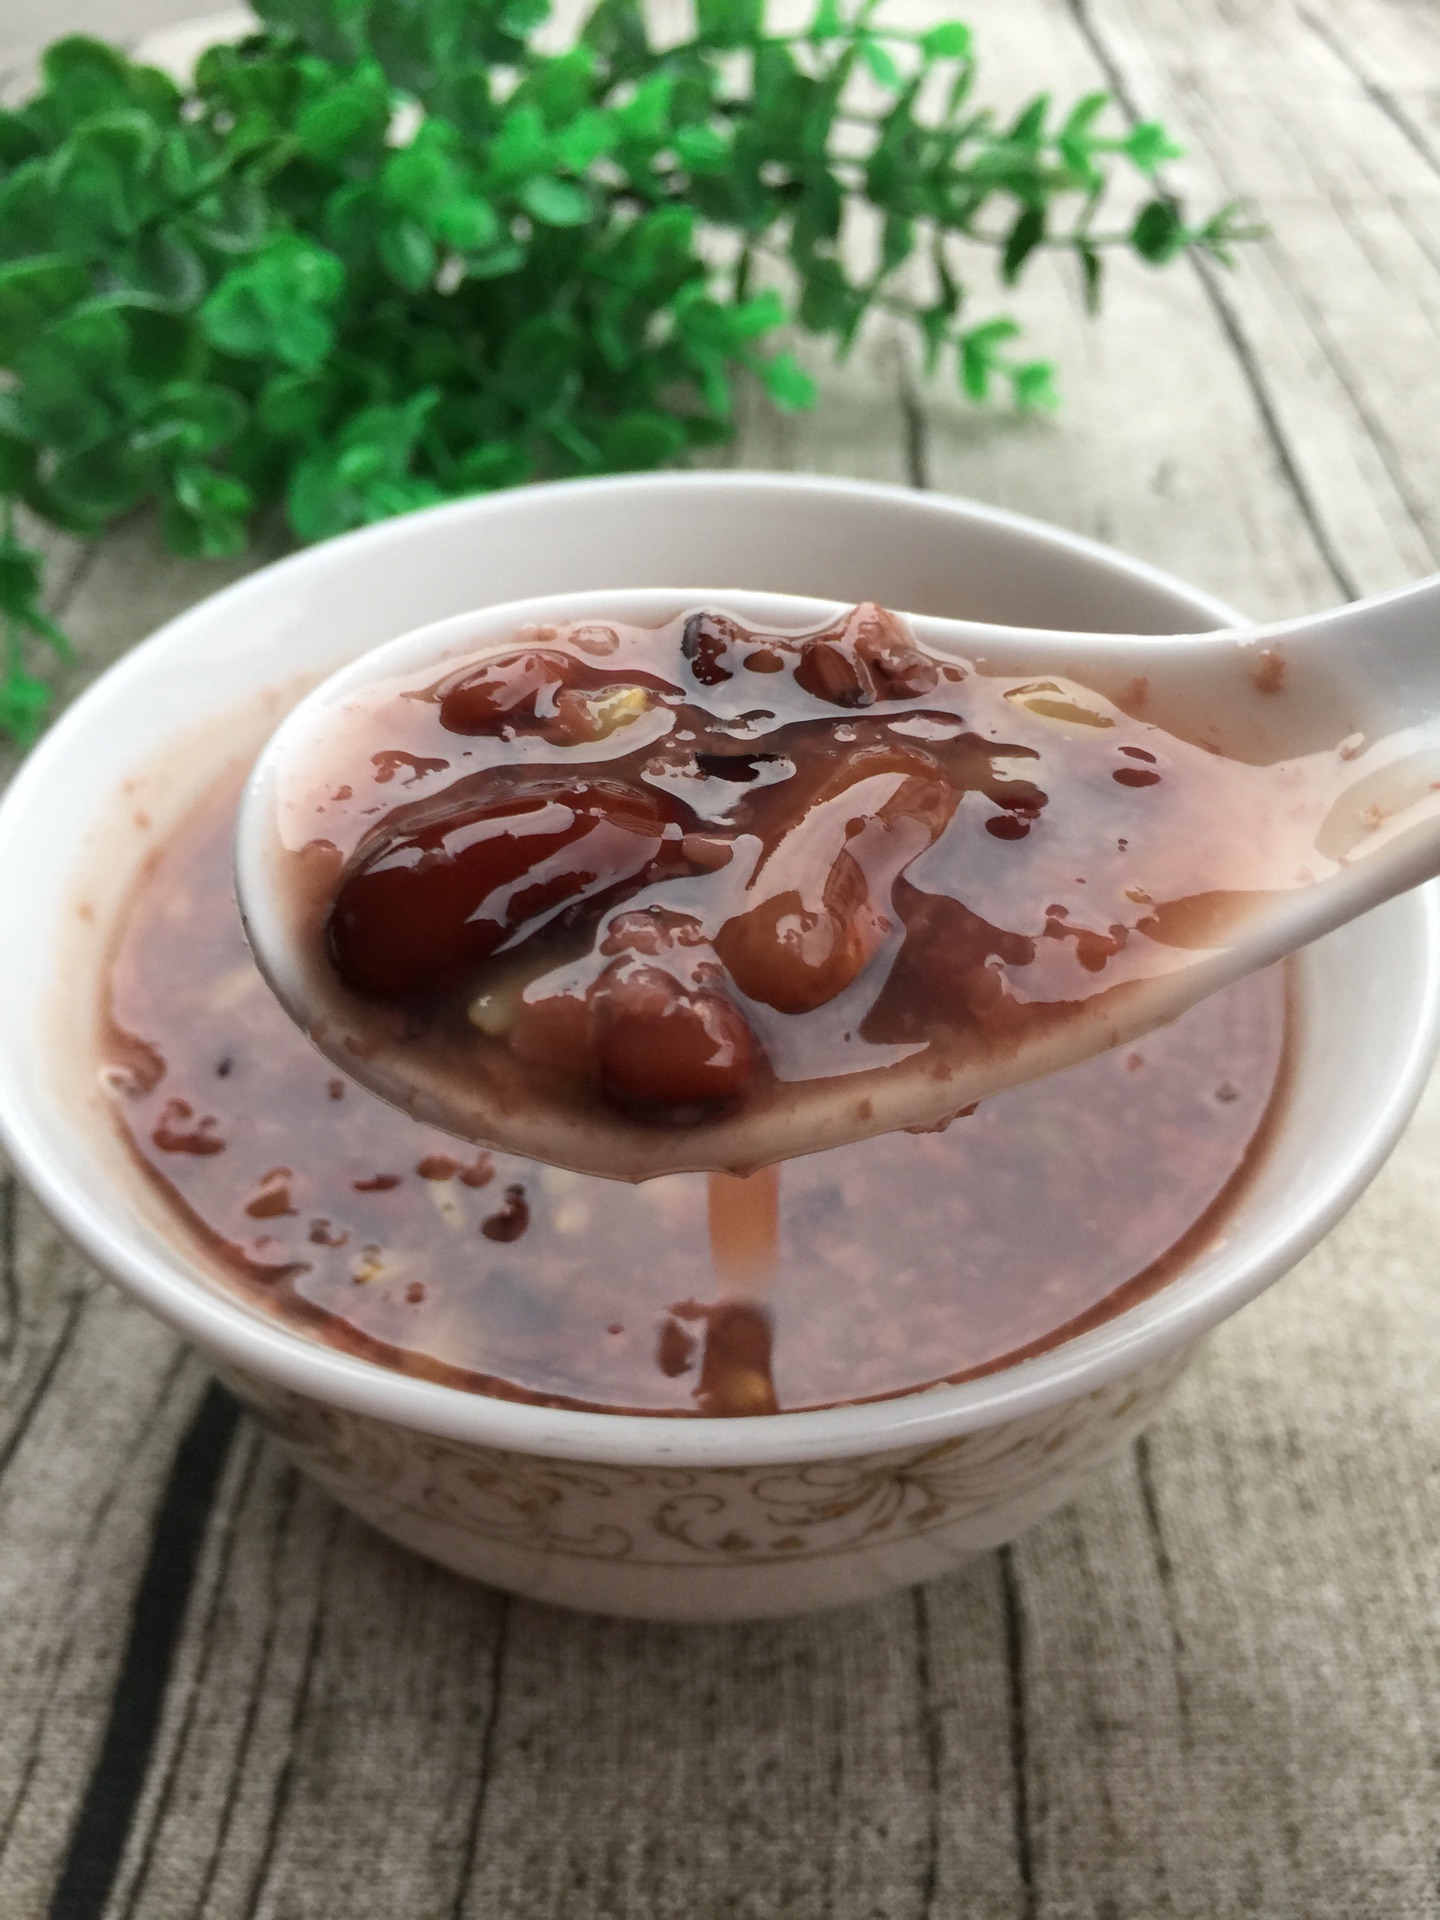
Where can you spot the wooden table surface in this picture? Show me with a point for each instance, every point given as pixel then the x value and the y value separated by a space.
pixel 1210 1687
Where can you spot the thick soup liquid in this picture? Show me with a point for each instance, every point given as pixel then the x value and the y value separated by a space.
pixel 902 1260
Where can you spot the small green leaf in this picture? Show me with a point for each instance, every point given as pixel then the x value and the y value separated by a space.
pixel 1029 129
pixel 540 357
pixel 1083 115
pixel 335 29
pixel 346 119
pixel 162 342
pixel 641 439
pixel 555 203
pixel 498 463
pixel 729 23
pixel 366 475
pixel 24 702
pixel 32 293
pixel 1149 146
pixel 702 149
pixel 828 303
pixel 787 383
pixel 206 515
pixel 191 419
pixel 646 117
pixel 951 40
pixel 295 406
pixel 978 357
pixel 881 63
pixel 468 223
pixel 20 572
pixel 585 139
pixel 521 147
pixel 20 139
pixel 426 175
pixel 560 86
pixel 17 464
pixel 96 483
pixel 897 242
pixel 408 254
pixel 99 178
pixel 85 77
pixel 233 217
pixel 1034 386
pixel 277 304
pixel 494 263
pixel 522 17
pixel 1224 229
pixel 162 262
pixel 1158 233
pixel 1027 233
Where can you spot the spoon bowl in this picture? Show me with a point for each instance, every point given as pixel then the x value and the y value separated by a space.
pixel 1325 730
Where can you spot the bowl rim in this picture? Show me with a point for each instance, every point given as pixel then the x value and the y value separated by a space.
pixel 240 1337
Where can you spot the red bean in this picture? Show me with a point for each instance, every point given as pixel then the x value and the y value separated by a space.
pixel 821 895
pixel 796 957
pixel 867 656
pixel 658 1043
pixel 512 689
pixel 830 670
pixel 900 669
pixel 438 886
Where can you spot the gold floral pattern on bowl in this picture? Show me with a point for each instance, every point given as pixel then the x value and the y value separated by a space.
pixel 565 1528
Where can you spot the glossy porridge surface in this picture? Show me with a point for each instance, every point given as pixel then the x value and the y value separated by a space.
pixel 903 1260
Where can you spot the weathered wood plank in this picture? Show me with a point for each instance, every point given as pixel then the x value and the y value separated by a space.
pixel 1393 50
pixel 1327 310
pixel 324 1719
pixel 1161 446
pixel 74 1508
pixel 974 1734
pixel 770 1768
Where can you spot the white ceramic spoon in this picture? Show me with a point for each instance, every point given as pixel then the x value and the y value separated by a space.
pixel 1348 701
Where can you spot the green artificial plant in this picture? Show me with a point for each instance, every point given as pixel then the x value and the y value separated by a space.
pixel 386 252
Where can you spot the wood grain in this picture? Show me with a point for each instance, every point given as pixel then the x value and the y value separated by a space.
pixel 1208 1688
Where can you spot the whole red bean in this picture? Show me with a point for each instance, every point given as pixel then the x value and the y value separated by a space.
pixel 900 669
pixel 512 689
pixel 831 670
pixel 866 656
pixel 821 895
pixel 437 887
pixel 658 1043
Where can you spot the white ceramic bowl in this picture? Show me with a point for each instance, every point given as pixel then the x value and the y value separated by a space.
pixel 681 1519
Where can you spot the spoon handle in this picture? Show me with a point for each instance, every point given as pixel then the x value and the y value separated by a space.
pixel 1385 648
